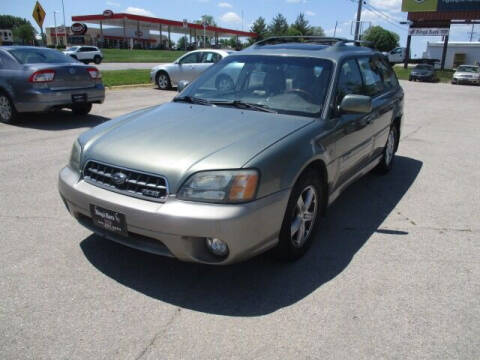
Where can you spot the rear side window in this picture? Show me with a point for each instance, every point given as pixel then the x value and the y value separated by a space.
pixel 371 76
pixel 349 81
pixel 210 57
pixel 389 78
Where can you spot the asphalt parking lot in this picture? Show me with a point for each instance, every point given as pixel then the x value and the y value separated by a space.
pixel 394 273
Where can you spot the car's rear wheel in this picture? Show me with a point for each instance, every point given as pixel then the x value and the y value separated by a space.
pixel 301 217
pixel 8 114
pixel 388 158
pixel 163 81
pixel 97 59
pixel 81 109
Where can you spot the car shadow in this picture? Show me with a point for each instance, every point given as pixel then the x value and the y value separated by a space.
pixel 59 120
pixel 262 285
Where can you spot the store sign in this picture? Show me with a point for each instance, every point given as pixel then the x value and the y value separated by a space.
pixel 79 29
pixel 108 13
pixel 440 5
pixel 428 31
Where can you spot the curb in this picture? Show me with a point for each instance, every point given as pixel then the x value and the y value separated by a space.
pixel 119 87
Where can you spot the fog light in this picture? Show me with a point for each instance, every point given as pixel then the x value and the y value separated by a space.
pixel 217 247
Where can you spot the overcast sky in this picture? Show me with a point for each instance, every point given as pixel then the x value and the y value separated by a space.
pixel 325 13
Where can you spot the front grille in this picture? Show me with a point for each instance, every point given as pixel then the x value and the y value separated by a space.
pixel 125 181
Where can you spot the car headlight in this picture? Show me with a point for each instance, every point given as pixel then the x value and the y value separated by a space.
pixel 75 156
pixel 226 186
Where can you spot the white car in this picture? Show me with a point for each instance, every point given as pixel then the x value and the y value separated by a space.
pixel 85 54
pixel 188 67
pixel 468 74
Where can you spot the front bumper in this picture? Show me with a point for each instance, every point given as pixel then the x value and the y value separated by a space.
pixel 39 100
pixel 179 228
pixel 461 80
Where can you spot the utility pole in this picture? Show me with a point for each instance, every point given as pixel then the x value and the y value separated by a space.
pixel 55 23
pixel 64 25
pixel 473 32
pixel 359 17
pixel 335 31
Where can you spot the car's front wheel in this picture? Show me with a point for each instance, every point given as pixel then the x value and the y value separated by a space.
pixel 81 109
pixel 386 163
pixel 301 217
pixel 163 81
pixel 8 114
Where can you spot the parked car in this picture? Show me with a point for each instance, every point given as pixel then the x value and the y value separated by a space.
pixel 85 54
pixel 39 79
pixel 219 175
pixel 188 67
pixel 423 72
pixel 467 74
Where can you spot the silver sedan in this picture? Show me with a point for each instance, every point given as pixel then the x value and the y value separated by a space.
pixel 40 79
pixel 188 67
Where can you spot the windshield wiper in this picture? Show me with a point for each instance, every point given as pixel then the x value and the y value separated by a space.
pixel 192 100
pixel 245 105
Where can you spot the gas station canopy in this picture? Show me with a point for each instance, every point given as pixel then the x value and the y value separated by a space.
pixel 124 20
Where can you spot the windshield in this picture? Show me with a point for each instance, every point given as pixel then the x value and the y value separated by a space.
pixel 288 85
pixel 73 48
pixel 470 69
pixel 423 67
pixel 39 56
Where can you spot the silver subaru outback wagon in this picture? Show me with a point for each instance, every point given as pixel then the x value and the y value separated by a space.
pixel 221 174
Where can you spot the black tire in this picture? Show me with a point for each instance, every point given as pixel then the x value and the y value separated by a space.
pixel 97 59
pixel 389 151
pixel 163 81
pixel 287 248
pixel 410 78
pixel 81 109
pixel 8 114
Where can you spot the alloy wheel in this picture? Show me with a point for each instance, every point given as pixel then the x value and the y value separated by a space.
pixel 390 147
pixel 304 216
pixel 162 81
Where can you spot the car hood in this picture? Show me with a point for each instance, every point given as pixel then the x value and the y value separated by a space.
pixel 178 139
pixel 465 73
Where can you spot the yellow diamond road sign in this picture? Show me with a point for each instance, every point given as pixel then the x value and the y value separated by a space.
pixel 38 14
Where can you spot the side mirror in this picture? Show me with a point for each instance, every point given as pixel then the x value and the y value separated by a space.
pixel 182 84
pixel 356 104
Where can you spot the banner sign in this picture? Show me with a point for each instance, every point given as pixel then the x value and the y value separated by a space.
pixel 429 31
pixel 440 5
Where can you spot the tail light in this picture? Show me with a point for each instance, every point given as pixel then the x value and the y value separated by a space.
pixel 94 73
pixel 42 76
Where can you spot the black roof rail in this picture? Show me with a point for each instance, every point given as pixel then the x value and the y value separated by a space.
pixel 323 40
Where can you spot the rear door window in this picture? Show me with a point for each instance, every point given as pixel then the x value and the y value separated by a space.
pixel 389 78
pixel 372 76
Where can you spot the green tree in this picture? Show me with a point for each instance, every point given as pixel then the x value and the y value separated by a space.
pixel 278 26
pixel 182 42
pixel 382 39
pixel 9 21
pixel 318 31
pixel 301 25
pixel 24 33
pixel 209 19
pixel 260 28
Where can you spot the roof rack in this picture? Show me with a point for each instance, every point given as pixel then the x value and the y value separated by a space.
pixel 306 39
pixel 322 40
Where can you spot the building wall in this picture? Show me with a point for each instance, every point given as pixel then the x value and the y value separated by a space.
pixel 471 50
pixel 6 36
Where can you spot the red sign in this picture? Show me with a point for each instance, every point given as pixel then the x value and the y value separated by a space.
pixel 79 29
pixel 108 13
